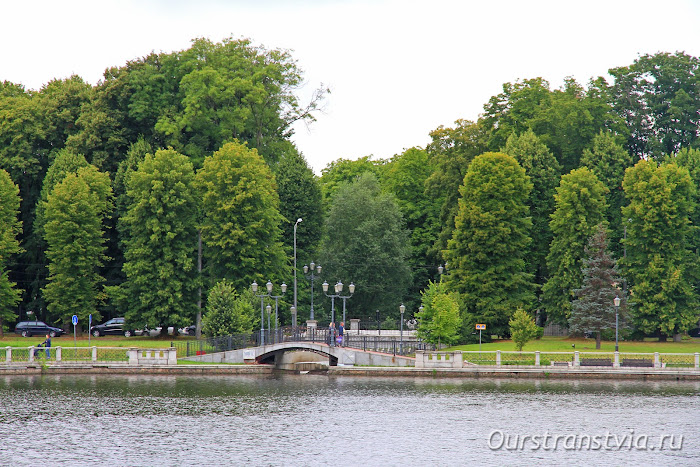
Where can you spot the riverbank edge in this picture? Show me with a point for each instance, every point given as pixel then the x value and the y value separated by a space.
pixel 471 372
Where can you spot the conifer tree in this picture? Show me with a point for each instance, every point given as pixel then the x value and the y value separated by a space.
pixel 594 310
pixel 580 208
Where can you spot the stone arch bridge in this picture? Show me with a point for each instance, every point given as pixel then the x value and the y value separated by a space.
pixel 304 355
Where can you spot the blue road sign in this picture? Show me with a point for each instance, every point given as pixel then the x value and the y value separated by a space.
pixel 75 320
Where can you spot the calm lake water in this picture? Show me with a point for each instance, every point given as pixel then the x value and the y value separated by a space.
pixel 305 420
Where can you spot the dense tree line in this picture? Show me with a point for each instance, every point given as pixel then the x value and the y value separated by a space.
pixel 175 178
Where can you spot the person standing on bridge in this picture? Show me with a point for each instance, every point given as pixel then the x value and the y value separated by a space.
pixel 331 335
pixel 341 334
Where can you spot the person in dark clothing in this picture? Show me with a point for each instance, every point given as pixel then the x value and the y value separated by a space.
pixel 341 333
pixel 47 344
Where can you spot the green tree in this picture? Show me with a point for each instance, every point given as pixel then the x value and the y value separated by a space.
pixel 227 312
pixel 451 150
pixel 580 208
pixel 490 239
pixel 365 242
pixel 342 171
pixel 241 218
pixel 160 247
pixel 405 177
pixel 608 160
pixel 593 309
pixel 544 172
pixel 658 96
pixel 10 227
pixel 565 120
pixel 75 212
pixel 439 321
pixel 659 265
pixel 522 328
pixel 300 197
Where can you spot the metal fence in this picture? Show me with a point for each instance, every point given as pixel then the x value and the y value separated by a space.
pixel 584 359
pixel 394 345
pixel 63 354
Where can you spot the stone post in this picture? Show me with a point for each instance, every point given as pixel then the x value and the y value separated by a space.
pixel 59 353
pixel 697 361
pixel 133 354
pixel 94 354
pixel 420 355
pixel 458 361
pixel 172 356
pixel 657 360
pixel 355 325
pixel 8 355
pixel 537 358
pixel 616 363
pixel 577 362
pixel 31 354
pixel 498 357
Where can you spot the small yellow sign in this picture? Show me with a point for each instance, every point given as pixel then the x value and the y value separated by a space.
pixel 481 327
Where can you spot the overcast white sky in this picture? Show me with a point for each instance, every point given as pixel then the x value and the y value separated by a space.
pixel 397 69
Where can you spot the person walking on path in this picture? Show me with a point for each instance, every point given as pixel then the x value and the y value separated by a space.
pixel 47 344
pixel 341 334
pixel 331 335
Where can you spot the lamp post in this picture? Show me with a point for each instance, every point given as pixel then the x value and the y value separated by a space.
pixel 338 287
pixel 616 301
pixel 351 289
pixel 402 308
pixel 317 268
pixel 268 286
pixel 294 306
pixel 276 297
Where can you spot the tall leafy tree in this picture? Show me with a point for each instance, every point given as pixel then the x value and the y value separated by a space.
pixel 593 309
pixel 580 208
pixel 160 247
pixel 608 160
pixel 658 96
pixel 490 239
pixel 10 227
pixel 566 119
pixel 366 242
pixel 75 212
pixel 451 150
pixel 405 177
pixel 659 265
pixel 300 197
pixel 342 171
pixel 241 218
pixel 544 172
pixel 439 321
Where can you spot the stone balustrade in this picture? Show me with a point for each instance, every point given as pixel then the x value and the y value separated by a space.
pixel 426 359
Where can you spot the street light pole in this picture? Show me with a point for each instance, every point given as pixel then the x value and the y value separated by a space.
pixel 312 267
pixel 616 301
pixel 338 289
pixel 402 308
pixel 294 308
pixel 268 286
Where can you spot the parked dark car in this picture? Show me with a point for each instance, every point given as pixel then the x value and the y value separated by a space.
pixel 112 327
pixel 37 328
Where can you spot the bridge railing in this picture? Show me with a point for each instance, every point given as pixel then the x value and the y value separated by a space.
pixel 385 344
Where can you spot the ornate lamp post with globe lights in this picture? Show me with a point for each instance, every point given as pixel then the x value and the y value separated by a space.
pixel 309 273
pixel 338 287
pixel 268 286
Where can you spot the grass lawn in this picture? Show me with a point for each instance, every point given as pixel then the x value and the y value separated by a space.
pixel 564 344
pixel 14 340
